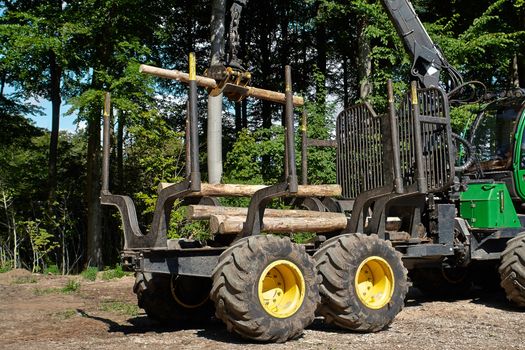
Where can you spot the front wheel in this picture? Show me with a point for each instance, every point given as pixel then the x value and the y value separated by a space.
pixel 265 288
pixel 364 282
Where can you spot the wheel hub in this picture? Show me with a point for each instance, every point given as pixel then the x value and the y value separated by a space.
pixel 281 289
pixel 374 282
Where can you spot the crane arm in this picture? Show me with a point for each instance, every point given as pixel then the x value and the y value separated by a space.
pixel 428 61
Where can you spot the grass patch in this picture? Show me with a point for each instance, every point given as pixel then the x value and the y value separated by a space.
pixel 46 291
pixel 72 286
pixel 65 314
pixel 120 308
pixel 52 270
pixel 24 280
pixel 113 273
pixel 6 266
pixel 90 273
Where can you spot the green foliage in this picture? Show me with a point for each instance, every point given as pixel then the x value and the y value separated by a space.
pixel 52 270
pixel 320 125
pixel 72 286
pixel 180 227
pixel 462 117
pixel 113 273
pixel 90 273
pixel 303 237
pixel 98 47
pixel 46 291
pixel 24 280
pixel 65 314
pixel 41 240
pixel 6 266
pixel 120 308
pixel 257 157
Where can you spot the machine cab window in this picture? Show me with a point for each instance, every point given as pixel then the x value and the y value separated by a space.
pixel 493 137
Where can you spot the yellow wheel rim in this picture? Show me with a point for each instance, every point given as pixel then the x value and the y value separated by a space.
pixel 281 289
pixel 374 282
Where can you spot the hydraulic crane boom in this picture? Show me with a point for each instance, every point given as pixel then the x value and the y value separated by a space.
pixel 428 60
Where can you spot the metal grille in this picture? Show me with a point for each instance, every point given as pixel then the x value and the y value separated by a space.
pixel 359 150
pixel 437 155
pixel 365 147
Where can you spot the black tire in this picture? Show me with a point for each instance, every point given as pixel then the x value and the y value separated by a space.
pixel 236 291
pixel 444 283
pixel 512 270
pixel 173 299
pixel 338 262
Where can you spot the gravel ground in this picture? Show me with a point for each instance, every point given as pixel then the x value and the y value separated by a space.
pixel 35 313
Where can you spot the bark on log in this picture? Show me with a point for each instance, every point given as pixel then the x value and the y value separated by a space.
pixel 204 212
pixel 239 190
pixel 223 224
pixel 209 83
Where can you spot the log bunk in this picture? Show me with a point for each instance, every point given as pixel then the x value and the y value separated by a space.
pixel 256 218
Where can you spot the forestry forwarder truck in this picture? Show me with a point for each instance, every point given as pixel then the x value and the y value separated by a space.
pixel 400 206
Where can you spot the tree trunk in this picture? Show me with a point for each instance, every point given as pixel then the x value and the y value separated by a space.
pixel 94 233
pixel 346 98
pixel 238 117
pixel 364 62
pixel 56 72
pixel 244 114
pixel 214 132
pixel 521 55
pixel 320 35
pixel 514 73
pixel 120 149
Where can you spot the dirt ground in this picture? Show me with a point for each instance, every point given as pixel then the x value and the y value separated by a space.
pixel 36 312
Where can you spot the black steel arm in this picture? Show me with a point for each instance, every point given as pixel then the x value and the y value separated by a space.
pixel 428 60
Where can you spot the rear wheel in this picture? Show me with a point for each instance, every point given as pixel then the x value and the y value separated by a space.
pixel 512 270
pixel 364 282
pixel 265 288
pixel 169 298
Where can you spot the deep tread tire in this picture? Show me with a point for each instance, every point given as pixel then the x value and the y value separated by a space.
pixel 154 295
pixel 337 263
pixel 235 288
pixel 512 270
pixel 438 283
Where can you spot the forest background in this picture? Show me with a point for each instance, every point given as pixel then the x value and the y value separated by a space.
pixel 72 52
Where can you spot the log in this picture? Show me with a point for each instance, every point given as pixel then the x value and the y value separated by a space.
pixel 240 190
pixel 210 83
pixel 204 212
pixel 224 224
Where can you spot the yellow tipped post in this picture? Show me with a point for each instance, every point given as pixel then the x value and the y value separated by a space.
pixel 192 70
pixel 413 92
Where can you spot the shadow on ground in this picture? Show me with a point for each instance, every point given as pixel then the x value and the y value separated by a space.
pixel 216 331
pixel 143 324
pixel 493 298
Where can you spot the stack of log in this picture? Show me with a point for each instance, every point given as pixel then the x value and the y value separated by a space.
pixel 230 220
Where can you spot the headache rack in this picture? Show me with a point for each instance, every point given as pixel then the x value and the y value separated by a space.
pixel 405 150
